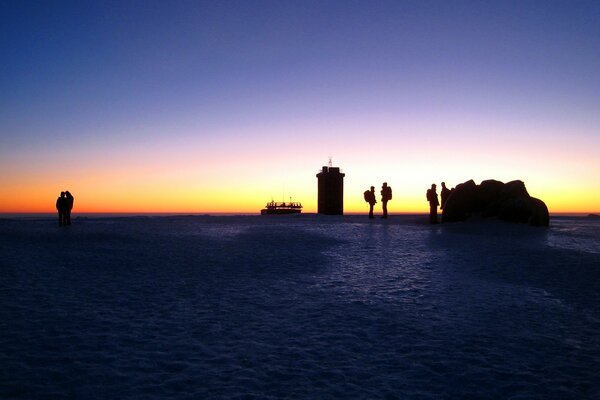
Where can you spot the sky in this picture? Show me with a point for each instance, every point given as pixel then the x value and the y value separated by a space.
pixel 221 106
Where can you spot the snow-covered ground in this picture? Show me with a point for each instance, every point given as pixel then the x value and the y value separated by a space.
pixel 298 307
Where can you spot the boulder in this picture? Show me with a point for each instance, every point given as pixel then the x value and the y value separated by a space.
pixel 515 209
pixel 506 201
pixel 539 213
pixel 508 191
pixel 514 189
pixel 461 202
pixel 487 192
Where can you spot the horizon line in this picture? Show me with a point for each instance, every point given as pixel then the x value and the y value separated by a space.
pixel 208 213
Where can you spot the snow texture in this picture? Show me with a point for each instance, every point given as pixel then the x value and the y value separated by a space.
pixel 311 307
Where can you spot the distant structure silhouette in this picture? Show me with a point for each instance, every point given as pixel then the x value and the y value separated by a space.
pixel 69 207
pixel 281 208
pixel 330 191
pixel 386 195
pixel 370 198
pixel 444 194
pixel 433 204
pixel 61 207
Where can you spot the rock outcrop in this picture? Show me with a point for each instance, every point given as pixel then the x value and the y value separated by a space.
pixel 507 201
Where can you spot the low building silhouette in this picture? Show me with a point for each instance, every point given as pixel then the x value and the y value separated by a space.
pixel 331 191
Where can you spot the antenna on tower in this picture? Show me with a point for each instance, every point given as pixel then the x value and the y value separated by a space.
pixel 330 162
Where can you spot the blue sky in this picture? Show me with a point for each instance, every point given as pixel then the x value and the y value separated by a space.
pixel 81 76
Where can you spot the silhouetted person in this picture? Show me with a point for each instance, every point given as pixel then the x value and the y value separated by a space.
pixel 386 195
pixel 370 198
pixel 444 194
pixel 61 207
pixel 70 200
pixel 433 204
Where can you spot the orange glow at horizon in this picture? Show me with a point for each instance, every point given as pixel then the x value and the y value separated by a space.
pixel 186 174
pixel 176 197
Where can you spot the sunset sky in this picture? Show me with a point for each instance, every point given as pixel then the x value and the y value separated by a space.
pixel 190 106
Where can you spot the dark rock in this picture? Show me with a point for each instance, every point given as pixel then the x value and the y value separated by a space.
pixel 514 189
pixel 507 201
pixel 487 192
pixel 461 202
pixel 593 215
pixel 497 200
pixel 515 209
pixel 490 189
pixel 539 213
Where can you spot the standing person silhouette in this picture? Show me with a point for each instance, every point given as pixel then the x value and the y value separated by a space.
pixel 433 204
pixel 370 198
pixel 61 207
pixel 69 206
pixel 444 194
pixel 386 195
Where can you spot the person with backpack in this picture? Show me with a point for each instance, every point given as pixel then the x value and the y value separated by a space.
pixel 386 195
pixel 433 204
pixel 370 198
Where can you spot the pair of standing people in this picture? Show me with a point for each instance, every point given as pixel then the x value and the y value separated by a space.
pixel 386 195
pixel 64 205
pixel 434 203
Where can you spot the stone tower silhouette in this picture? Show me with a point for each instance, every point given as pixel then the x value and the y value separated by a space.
pixel 331 191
